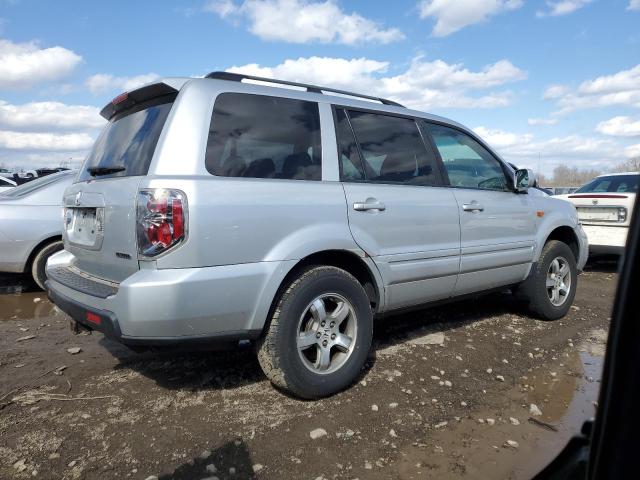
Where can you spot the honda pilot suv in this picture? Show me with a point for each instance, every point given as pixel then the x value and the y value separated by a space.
pixel 221 209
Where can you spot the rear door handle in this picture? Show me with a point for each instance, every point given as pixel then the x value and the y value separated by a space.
pixel 369 205
pixel 472 207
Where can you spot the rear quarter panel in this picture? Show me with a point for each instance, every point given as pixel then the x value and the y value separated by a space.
pixel 242 220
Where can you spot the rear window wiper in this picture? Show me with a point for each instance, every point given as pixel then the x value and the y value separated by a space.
pixel 96 171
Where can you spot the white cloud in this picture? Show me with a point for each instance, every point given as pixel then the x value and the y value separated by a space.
pixel 500 139
pixel 45 141
pixel 453 15
pixel 104 82
pixel 619 89
pixel 424 85
pixel 304 21
pixel 556 8
pixel 25 64
pixel 620 127
pixel 632 151
pixel 525 150
pixel 542 121
pixel 49 116
pixel 634 5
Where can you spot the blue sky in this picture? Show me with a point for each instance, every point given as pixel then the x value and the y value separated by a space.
pixel 544 82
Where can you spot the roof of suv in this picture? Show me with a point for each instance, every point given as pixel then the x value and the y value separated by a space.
pixel 273 87
pixel 268 85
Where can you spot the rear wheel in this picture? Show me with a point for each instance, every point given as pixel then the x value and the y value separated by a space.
pixel 40 261
pixel 320 334
pixel 551 288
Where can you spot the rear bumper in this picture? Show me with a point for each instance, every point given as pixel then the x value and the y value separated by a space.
pixel 107 323
pixel 606 239
pixel 155 307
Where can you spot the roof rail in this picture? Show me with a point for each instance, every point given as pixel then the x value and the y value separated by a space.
pixel 238 77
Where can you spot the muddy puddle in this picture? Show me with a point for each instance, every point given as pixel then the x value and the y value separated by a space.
pixel 481 445
pixel 25 306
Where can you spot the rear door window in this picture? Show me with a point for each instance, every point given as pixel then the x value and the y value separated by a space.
pixel 351 169
pixel 129 140
pixel 392 150
pixel 259 136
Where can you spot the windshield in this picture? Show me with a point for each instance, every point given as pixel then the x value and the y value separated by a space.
pixel 127 143
pixel 613 183
pixel 37 184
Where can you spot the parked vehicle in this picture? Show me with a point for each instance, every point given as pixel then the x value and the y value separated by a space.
pixel 604 208
pixel 31 225
pixel 24 176
pixel 6 173
pixel 6 184
pixel 214 209
pixel 48 171
pixel 563 190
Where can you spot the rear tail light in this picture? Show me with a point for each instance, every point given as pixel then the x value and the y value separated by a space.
pixel 622 214
pixel 161 220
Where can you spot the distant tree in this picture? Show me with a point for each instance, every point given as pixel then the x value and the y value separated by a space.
pixel 543 181
pixel 564 176
pixel 631 165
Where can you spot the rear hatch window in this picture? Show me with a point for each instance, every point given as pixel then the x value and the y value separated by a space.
pixel 126 145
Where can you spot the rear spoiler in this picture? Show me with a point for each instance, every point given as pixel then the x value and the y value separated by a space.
pixel 127 100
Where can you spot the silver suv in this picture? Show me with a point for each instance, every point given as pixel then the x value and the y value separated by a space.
pixel 221 209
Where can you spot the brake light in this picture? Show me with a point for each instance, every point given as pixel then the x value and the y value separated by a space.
pixel 161 220
pixel 120 98
pixel 93 318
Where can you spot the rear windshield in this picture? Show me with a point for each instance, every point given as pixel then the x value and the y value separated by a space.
pixel 614 183
pixel 128 141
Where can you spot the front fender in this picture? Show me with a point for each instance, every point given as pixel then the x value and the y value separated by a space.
pixel 558 213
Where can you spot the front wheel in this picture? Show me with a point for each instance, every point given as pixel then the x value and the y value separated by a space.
pixel 551 287
pixel 319 335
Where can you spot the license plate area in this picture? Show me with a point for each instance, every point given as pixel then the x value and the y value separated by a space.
pixel 84 227
pixel 598 214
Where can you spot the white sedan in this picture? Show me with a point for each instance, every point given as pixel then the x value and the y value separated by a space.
pixel 604 208
pixel 31 224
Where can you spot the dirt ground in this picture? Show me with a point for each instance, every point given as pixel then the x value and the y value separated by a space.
pixel 446 393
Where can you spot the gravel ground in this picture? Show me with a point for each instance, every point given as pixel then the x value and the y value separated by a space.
pixel 446 393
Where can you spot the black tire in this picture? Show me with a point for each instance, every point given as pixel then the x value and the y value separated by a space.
pixel 40 261
pixel 534 291
pixel 278 347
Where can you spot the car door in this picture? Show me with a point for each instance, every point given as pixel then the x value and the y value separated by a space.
pixel 497 225
pixel 398 211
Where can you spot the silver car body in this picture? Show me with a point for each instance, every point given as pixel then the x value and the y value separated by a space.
pixel 245 234
pixel 30 216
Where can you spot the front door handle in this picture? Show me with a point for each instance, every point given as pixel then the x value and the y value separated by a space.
pixel 369 204
pixel 472 207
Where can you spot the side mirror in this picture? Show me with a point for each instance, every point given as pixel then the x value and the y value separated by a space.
pixel 524 178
